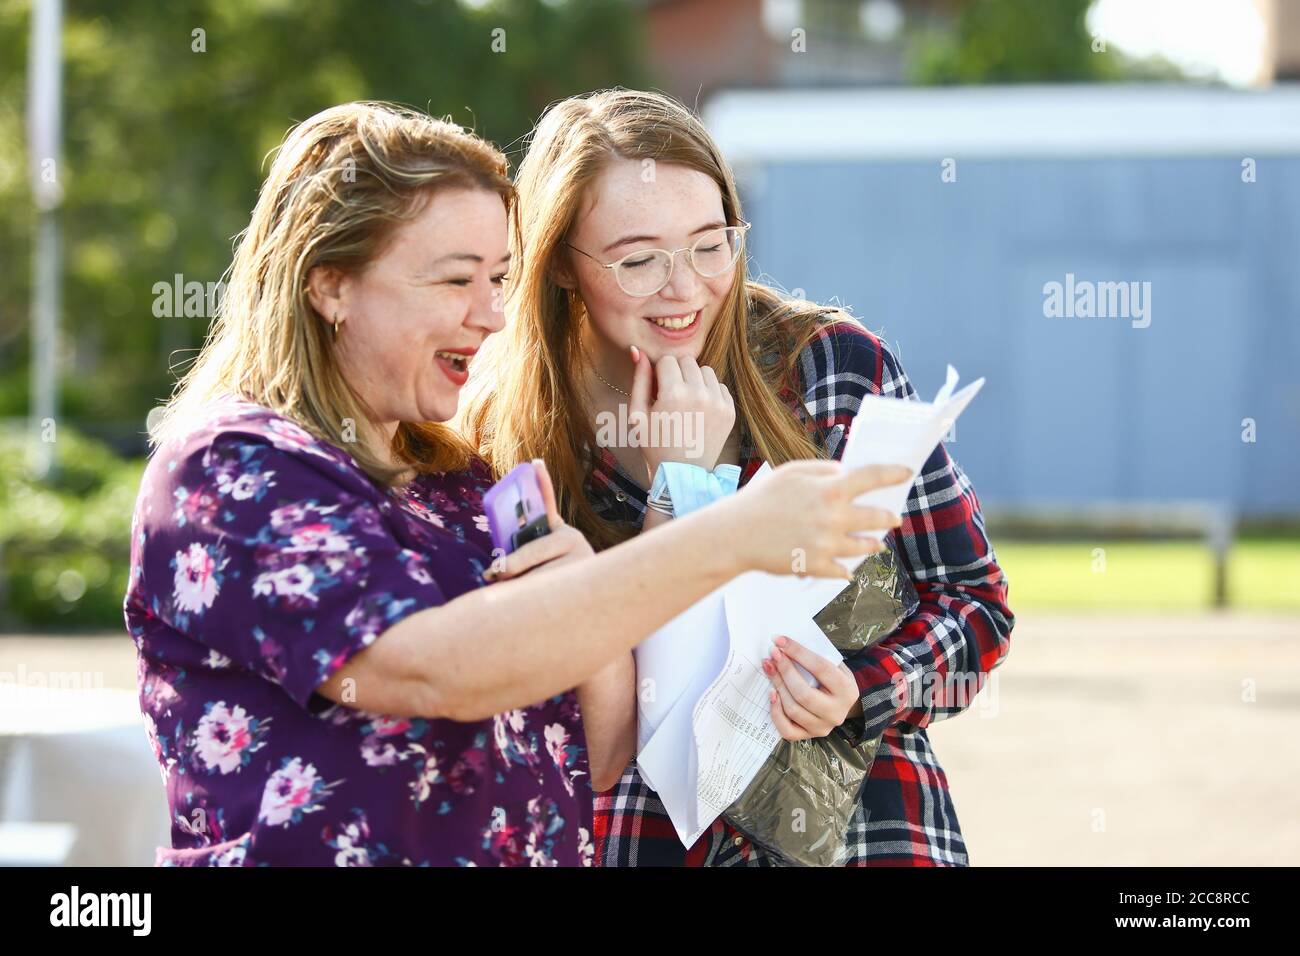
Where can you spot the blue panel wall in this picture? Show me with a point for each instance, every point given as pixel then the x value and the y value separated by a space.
pixel 1075 409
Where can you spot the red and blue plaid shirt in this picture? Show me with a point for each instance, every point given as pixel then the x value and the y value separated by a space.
pixel 923 672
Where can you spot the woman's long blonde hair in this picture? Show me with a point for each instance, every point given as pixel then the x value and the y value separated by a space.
pixel 341 183
pixel 525 399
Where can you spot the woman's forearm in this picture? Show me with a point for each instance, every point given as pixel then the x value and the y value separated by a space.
pixel 608 702
pixel 512 644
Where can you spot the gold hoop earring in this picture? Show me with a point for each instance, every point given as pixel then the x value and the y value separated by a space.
pixel 337 323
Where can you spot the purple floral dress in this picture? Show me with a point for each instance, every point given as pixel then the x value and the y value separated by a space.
pixel 261 560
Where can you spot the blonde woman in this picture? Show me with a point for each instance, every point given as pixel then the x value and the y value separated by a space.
pixel 632 297
pixel 324 676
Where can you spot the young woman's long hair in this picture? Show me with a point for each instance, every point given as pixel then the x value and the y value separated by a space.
pixel 341 183
pixel 525 399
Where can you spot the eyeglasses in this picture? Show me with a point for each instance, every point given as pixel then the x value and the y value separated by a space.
pixel 646 271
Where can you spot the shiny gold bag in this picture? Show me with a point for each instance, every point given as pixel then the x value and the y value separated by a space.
pixel 799 804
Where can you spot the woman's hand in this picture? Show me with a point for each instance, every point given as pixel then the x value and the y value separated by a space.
pixel 563 544
pixel 801 711
pixel 801 517
pixel 607 698
pixel 690 407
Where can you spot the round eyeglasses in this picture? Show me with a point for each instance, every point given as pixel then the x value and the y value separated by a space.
pixel 646 271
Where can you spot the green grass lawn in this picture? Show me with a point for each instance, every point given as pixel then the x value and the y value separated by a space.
pixel 1263 574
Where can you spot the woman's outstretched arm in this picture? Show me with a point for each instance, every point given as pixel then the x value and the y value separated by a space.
pixel 524 640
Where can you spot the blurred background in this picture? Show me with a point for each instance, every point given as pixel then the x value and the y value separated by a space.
pixel 1091 203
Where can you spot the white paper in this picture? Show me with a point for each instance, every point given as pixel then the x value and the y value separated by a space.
pixel 707 727
pixel 887 431
pixel 732 723
pixel 723 710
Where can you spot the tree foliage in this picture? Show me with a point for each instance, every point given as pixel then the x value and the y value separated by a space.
pixel 1024 41
pixel 166 130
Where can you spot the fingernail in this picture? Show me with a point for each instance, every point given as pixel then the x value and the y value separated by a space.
pixel 782 640
pixel 771 697
pixel 776 656
pixel 636 355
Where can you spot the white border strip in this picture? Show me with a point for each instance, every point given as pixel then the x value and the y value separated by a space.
pixel 1007 121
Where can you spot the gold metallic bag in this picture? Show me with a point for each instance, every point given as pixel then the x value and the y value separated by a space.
pixel 799 804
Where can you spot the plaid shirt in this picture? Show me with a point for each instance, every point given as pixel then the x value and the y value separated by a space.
pixel 924 671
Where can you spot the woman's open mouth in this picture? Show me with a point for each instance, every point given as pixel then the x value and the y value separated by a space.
pixel 454 364
pixel 676 327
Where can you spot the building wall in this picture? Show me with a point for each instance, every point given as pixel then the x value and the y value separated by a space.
pixel 1074 409
pixel 696 47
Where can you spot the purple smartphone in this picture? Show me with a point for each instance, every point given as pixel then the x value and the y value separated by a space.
pixel 515 511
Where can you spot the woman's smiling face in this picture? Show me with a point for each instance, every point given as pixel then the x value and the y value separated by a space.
pixel 631 207
pixel 414 317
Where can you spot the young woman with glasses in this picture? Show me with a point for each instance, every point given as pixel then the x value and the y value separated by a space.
pixel 630 297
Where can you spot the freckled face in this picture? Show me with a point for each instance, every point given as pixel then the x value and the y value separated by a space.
pixel 416 314
pixel 622 213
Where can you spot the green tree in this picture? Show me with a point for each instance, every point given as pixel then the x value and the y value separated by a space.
pixel 169 112
pixel 1024 41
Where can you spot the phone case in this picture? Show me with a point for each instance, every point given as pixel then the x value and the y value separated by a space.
pixel 514 508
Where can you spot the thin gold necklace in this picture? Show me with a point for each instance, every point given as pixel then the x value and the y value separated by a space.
pixel 610 384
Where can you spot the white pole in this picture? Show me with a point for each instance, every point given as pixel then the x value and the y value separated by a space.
pixel 44 136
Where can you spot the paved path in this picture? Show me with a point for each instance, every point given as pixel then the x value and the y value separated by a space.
pixel 1125 740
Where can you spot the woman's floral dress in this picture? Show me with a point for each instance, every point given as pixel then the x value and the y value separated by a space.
pixel 261 560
